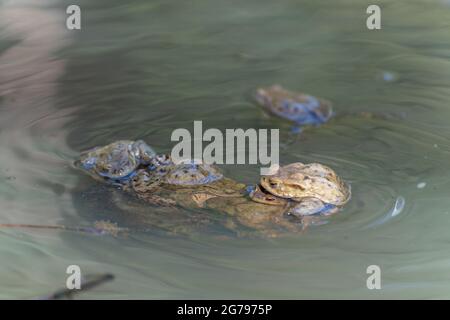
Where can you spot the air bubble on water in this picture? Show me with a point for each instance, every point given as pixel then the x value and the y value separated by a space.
pixel 388 76
pixel 421 185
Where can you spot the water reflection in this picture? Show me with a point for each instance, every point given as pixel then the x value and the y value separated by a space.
pixel 32 136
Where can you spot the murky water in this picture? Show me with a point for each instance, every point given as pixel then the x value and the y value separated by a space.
pixel 142 69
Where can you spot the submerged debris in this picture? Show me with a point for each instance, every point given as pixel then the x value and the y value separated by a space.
pixel 99 228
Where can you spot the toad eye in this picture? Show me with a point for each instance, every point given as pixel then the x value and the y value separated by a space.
pixel 273 184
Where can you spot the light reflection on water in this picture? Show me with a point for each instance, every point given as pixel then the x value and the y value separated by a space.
pixel 144 69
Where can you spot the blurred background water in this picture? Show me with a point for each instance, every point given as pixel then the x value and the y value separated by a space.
pixel 141 69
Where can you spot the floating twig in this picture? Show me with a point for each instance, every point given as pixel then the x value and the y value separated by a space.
pixel 85 285
pixel 99 228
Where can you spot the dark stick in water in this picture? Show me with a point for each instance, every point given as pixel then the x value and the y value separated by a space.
pixel 85 285
pixel 99 228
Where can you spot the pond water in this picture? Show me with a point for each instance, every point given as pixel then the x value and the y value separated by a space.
pixel 142 69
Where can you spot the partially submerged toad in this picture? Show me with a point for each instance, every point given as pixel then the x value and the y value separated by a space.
pixel 299 108
pixel 303 189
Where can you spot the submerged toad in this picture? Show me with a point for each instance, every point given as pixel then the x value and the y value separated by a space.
pixel 300 108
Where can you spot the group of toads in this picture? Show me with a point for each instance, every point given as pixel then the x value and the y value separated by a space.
pixel 291 198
